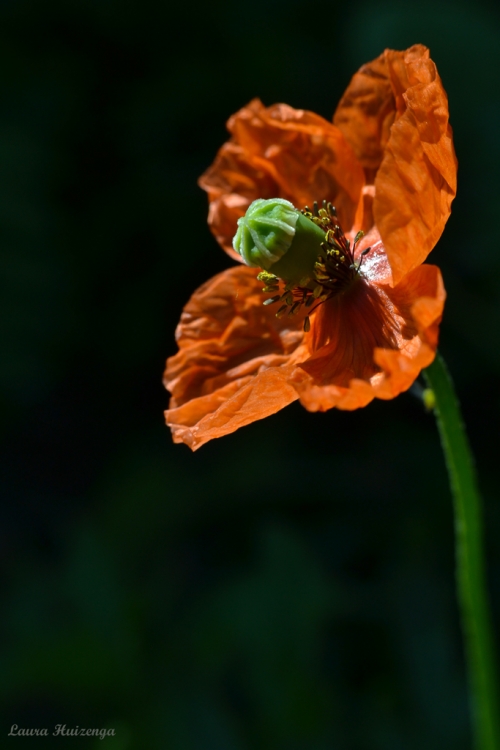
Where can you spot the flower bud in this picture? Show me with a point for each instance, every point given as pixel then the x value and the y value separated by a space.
pixel 275 236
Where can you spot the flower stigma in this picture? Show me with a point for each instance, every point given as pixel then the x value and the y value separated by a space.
pixel 305 256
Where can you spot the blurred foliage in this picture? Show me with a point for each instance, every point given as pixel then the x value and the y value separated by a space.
pixel 289 587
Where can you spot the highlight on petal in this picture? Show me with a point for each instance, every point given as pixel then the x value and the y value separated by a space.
pixel 279 152
pixel 233 362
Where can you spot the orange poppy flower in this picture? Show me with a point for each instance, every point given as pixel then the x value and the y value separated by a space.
pixel 388 165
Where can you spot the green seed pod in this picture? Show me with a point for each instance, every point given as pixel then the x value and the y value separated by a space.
pixel 274 235
pixel 302 254
pixel 266 231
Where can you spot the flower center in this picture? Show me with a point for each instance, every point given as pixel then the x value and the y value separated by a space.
pixel 333 273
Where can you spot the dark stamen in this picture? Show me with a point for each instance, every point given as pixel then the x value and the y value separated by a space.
pixel 333 273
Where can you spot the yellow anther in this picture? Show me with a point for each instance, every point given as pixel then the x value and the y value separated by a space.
pixel 267 277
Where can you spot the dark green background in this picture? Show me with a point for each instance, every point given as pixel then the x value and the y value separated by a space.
pixel 289 587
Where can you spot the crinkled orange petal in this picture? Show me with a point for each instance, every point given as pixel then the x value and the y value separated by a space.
pixel 366 112
pixel 420 296
pixel 345 332
pixel 237 404
pixel 349 380
pixel 416 181
pixel 235 179
pixel 394 114
pixel 234 359
pixel 280 152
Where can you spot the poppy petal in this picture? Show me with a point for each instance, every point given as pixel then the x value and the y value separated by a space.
pixel 235 179
pixel 356 373
pixel 235 405
pixel 366 112
pixel 345 331
pixel 280 152
pixel 234 359
pixel 416 181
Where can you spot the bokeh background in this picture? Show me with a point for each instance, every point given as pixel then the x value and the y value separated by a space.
pixel 289 587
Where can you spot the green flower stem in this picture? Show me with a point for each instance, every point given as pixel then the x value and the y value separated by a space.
pixel 470 566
